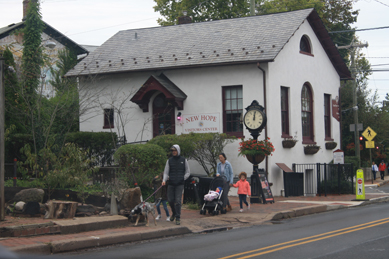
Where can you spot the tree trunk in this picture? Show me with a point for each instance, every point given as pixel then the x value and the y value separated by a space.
pixel 60 209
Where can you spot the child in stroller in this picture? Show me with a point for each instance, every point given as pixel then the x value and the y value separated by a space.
pixel 216 199
pixel 211 195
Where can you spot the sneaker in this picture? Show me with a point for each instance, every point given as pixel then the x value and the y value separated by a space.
pixel 168 219
pixel 248 206
pixel 158 217
pixel 178 222
pixel 172 218
pixel 241 210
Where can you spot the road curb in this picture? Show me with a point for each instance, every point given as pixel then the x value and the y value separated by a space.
pixel 300 212
pixel 111 239
pixel 376 200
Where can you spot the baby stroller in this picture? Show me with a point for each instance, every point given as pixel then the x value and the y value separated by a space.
pixel 218 204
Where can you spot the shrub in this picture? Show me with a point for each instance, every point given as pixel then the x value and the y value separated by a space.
pixel 141 161
pixel 101 145
pixel 167 141
pixel 201 147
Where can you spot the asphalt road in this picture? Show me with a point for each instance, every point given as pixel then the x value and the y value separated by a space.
pixel 381 189
pixel 359 232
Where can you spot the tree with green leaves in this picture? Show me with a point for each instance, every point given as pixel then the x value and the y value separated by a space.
pixel 32 58
pixel 200 10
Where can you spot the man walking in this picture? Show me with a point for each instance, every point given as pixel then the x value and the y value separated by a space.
pixel 382 168
pixel 176 171
pixel 374 169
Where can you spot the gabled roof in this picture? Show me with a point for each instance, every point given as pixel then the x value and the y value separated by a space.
pixel 53 33
pixel 162 84
pixel 232 41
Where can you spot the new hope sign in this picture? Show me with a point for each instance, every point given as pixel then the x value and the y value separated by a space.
pixel 201 123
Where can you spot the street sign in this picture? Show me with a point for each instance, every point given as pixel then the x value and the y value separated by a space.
pixel 369 133
pixel 360 127
pixel 370 144
pixel 360 185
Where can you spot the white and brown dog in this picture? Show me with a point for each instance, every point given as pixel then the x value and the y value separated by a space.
pixel 144 208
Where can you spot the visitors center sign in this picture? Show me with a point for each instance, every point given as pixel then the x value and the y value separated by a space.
pixel 201 123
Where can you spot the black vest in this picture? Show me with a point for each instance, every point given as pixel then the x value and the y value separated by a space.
pixel 177 170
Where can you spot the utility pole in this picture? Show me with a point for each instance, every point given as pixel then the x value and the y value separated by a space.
pixel 2 138
pixel 355 104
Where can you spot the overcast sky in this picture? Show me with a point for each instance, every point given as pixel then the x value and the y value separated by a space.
pixel 92 22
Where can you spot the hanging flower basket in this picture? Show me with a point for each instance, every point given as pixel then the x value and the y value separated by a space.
pixel 288 143
pixel 255 160
pixel 255 150
pixel 311 149
pixel 331 145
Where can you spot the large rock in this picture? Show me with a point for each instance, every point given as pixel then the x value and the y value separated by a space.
pixel 131 198
pixel 27 195
pixel 20 205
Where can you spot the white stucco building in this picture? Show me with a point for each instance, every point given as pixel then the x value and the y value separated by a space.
pixel 286 61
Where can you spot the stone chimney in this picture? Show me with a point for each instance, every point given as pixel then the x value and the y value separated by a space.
pixel 184 19
pixel 25 8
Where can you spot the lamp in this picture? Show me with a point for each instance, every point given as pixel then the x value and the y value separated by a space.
pixel 179 116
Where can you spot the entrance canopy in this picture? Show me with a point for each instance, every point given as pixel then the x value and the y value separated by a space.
pixel 162 84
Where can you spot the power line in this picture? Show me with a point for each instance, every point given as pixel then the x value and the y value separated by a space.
pixel 381 3
pixel 368 29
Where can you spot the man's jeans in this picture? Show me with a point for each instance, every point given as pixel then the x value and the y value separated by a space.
pixel 174 196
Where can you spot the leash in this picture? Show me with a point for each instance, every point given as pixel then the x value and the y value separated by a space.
pixel 152 194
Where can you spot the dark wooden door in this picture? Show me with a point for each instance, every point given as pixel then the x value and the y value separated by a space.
pixel 163 116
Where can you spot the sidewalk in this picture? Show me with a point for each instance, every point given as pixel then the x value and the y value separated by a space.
pixel 191 222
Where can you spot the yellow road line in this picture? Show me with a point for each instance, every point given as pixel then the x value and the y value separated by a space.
pixel 359 227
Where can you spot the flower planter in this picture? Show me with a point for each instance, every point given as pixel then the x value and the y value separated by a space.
pixel 331 145
pixel 255 160
pixel 310 150
pixel 288 143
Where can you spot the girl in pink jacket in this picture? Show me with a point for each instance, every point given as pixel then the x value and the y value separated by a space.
pixel 243 190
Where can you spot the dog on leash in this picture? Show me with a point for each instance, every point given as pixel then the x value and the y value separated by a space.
pixel 144 208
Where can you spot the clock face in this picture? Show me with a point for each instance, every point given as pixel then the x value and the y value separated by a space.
pixel 253 119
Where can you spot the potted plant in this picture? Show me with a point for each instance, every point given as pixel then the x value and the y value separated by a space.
pixel 255 150
pixel 290 142
pixel 331 145
pixel 311 149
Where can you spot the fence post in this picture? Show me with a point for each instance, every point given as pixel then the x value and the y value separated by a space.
pixel 318 178
pixel 325 181
pixel 15 167
pixel 352 178
pixel 339 178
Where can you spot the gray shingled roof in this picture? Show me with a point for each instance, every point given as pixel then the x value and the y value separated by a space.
pixel 49 30
pixel 240 40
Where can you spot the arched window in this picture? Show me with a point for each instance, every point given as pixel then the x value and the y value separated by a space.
pixel 307 113
pixel 305 45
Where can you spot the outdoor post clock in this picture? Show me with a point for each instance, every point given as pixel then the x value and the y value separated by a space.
pixel 255 119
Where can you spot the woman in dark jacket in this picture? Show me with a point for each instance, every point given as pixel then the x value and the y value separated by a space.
pixel 161 193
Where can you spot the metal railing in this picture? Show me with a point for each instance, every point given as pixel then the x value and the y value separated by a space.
pixel 326 178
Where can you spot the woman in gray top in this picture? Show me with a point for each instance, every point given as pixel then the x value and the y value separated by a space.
pixel 224 169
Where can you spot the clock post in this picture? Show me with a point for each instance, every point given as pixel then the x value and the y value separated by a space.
pixel 255 120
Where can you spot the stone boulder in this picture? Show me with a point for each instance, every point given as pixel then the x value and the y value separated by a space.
pixel 32 208
pixel 131 198
pixel 20 205
pixel 27 195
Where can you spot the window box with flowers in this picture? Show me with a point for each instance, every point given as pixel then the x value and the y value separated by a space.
pixel 331 145
pixel 289 142
pixel 311 149
pixel 255 150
